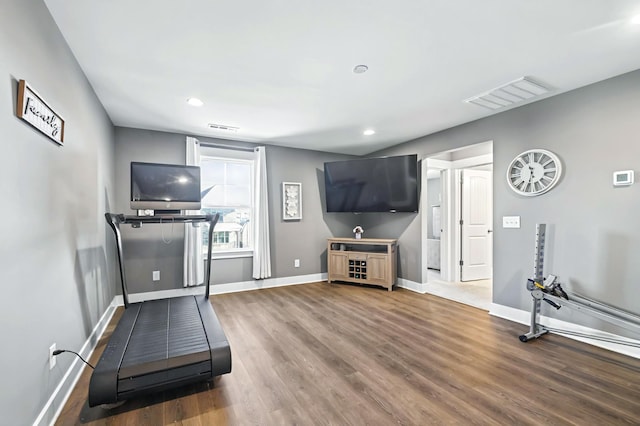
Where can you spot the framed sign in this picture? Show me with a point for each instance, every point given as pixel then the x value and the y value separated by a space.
pixel 35 111
pixel 291 201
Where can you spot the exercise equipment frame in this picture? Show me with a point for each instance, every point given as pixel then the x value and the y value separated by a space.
pixel 160 344
pixel 550 291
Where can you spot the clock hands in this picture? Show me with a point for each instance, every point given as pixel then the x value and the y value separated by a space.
pixel 534 172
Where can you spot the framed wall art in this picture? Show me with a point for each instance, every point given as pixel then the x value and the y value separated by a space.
pixel 291 201
pixel 35 111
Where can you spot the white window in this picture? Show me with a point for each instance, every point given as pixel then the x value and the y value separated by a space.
pixel 227 185
pixel 221 237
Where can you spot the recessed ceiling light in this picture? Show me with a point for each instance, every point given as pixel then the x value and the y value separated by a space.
pixel 369 132
pixel 195 102
pixel 359 69
pixel 636 20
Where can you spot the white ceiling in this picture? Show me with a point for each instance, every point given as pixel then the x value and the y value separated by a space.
pixel 281 70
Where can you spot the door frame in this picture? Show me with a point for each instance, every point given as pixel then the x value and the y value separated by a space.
pixel 450 246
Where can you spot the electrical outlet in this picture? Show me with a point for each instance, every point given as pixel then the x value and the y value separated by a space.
pixel 52 358
pixel 296 263
pixel 156 275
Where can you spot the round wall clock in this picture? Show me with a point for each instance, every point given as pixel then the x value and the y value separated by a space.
pixel 534 172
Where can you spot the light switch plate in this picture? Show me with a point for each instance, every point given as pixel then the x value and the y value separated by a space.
pixel 511 221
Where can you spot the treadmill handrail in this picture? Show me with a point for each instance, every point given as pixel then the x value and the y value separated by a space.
pixel 114 220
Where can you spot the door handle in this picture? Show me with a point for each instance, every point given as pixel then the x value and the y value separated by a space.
pixel 489 231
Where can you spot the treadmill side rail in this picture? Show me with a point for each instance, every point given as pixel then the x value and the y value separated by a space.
pixel 103 386
pixel 218 344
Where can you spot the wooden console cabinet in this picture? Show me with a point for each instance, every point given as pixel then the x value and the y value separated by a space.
pixel 364 261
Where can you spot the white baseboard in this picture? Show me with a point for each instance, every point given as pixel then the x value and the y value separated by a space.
pixel 524 317
pixel 267 283
pixel 57 400
pixel 509 313
pixel 411 285
pixel 160 294
pixel 224 288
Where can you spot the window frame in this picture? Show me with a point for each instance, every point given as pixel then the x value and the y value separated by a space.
pixel 233 156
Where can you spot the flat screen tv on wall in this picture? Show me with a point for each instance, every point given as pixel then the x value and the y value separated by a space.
pixel 157 186
pixel 387 184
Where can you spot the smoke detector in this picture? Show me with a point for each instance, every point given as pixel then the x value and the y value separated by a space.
pixel 520 90
pixel 195 102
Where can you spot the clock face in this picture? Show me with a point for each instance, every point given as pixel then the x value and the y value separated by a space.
pixel 534 172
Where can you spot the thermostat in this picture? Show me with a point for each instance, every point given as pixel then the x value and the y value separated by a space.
pixel 623 178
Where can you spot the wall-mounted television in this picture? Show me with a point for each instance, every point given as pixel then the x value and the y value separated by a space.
pixel 157 186
pixel 386 184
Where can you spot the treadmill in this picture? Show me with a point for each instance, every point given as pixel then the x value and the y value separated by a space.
pixel 164 343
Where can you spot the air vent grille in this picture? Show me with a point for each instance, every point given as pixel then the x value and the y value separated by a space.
pixel 520 90
pixel 223 127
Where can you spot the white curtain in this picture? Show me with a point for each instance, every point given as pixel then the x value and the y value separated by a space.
pixel 261 250
pixel 193 272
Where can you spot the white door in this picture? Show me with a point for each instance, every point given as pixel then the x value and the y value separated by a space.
pixel 477 220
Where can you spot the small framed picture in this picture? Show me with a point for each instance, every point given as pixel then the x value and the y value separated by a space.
pixel 291 201
pixel 34 110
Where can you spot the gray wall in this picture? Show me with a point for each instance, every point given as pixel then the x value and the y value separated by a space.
pixel 151 247
pixel 304 239
pixel 594 230
pixel 56 255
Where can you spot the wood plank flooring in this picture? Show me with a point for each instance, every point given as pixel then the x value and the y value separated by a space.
pixel 320 354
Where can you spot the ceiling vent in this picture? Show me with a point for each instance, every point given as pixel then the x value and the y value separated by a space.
pixel 522 89
pixel 223 127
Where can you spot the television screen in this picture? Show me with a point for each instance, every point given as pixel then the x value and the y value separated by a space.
pixel 388 184
pixel 165 186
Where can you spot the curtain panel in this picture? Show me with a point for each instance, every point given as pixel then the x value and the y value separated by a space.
pixel 261 247
pixel 193 271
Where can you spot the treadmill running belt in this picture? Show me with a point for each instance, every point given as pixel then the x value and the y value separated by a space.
pixel 168 333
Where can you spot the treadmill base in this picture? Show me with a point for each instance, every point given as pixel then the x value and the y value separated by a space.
pixel 159 345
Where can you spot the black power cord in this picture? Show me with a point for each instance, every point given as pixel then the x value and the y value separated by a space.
pixel 59 351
